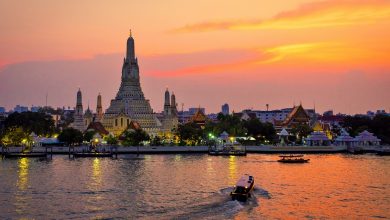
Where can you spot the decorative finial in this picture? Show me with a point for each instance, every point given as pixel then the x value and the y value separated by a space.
pixel 131 34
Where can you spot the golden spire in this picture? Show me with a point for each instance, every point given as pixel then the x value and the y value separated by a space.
pixel 131 34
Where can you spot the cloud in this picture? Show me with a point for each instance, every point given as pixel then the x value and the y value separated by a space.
pixel 313 15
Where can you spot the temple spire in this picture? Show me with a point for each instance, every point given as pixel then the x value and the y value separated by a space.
pixel 130 51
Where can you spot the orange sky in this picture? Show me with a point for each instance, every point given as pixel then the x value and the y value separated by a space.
pixel 247 53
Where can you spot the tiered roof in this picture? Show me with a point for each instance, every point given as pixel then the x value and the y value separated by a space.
pixel 317 136
pixel 297 115
pixel 198 117
pixel 98 127
pixel 344 136
pixel 366 136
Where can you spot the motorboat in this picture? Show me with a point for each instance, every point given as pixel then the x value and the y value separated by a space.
pixel 293 159
pixel 243 188
pixel 93 154
pixel 228 149
pixel 24 154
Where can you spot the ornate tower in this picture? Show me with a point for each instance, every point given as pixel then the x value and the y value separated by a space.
pixel 173 104
pixel 79 103
pixel 88 117
pixel 167 105
pixel 99 109
pixel 130 104
pixel 78 122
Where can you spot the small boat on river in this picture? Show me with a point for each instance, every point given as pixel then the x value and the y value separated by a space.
pixel 23 155
pixel 243 188
pixel 92 154
pixel 293 159
pixel 228 149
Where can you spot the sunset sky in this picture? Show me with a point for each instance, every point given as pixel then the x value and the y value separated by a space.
pixel 247 53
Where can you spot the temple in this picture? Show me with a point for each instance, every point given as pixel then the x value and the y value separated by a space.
pixel 169 117
pixel 78 122
pixel 130 104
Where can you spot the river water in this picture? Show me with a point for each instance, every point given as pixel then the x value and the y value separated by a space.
pixel 194 186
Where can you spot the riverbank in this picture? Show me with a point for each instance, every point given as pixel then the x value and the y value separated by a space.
pixel 265 149
pixel 268 149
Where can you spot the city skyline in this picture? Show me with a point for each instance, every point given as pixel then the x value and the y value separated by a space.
pixel 331 54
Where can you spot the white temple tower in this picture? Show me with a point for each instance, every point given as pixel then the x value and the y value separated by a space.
pixel 78 122
pixel 99 109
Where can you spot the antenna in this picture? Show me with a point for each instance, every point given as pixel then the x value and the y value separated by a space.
pixel 46 99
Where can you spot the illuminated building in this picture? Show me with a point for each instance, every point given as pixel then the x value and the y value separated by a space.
pixel 130 103
pixel 78 122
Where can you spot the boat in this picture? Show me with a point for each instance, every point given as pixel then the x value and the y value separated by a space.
pixel 293 159
pixel 23 155
pixel 228 149
pixel 243 188
pixel 93 154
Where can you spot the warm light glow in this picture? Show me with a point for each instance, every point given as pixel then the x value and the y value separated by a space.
pixel 23 164
pixel 232 170
pixel 259 52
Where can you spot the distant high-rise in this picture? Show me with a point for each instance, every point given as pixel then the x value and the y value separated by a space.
pixel 225 109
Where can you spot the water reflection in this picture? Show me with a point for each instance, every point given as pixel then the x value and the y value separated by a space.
pixel 94 186
pixel 96 173
pixel 232 169
pixel 330 186
pixel 177 158
pixel 23 164
pixel 21 200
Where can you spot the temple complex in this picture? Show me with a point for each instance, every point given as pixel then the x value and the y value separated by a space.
pixel 129 109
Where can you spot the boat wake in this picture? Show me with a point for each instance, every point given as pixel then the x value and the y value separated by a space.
pixel 257 192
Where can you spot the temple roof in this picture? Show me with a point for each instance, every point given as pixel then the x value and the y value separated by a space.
pixel 98 127
pixel 297 115
pixel 366 136
pixel 344 136
pixel 317 136
pixel 283 132
pixel 198 117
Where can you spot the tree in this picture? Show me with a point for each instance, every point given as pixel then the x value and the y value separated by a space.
pixel 15 136
pixel 379 125
pixel 156 141
pixel 111 140
pixel 262 132
pixel 301 131
pixel 133 137
pixel 88 135
pixel 229 123
pixel 37 122
pixel 71 136
pixel 189 134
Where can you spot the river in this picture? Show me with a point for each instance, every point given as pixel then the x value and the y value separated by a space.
pixel 194 186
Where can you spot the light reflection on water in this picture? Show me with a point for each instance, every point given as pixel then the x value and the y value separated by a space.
pixel 197 186
pixel 21 199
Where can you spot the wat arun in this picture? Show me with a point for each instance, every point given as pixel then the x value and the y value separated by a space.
pixel 130 105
